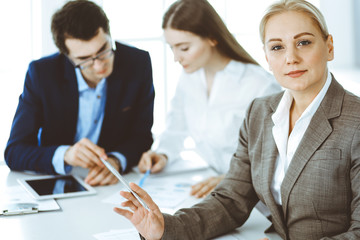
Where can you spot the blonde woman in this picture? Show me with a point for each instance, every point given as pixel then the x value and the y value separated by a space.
pixel 298 151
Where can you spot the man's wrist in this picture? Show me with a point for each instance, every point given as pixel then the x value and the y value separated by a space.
pixel 116 161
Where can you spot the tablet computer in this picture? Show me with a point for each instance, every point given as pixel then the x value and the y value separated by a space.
pixel 124 182
pixel 59 186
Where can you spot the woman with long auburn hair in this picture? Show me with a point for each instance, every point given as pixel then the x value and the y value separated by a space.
pixel 219 81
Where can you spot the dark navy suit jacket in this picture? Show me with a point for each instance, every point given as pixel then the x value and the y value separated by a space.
pixel 50 102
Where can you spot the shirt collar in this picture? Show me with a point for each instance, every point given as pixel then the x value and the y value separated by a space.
pixel 82 85
pixel 234 67
pixel 286 101
pixel 314 105
pixel 283 108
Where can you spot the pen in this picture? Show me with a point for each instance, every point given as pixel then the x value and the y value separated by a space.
pixel 142 180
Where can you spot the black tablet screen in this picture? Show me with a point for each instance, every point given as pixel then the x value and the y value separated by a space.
pixel 57 185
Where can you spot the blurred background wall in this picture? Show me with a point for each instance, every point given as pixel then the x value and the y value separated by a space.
pixel 26 36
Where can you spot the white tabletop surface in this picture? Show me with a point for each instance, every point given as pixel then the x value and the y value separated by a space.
pixel 82 217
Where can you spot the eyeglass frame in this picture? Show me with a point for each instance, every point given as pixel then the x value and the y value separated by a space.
pixel 97 57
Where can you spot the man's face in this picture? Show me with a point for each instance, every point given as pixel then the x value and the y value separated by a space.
pixel 94 57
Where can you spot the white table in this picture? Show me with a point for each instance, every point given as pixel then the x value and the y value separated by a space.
pixel 82 217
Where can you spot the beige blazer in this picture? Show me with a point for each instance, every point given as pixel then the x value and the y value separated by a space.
pixel 320 192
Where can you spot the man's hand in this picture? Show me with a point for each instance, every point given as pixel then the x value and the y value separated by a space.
pixel 153 161
pixel 204 188
pixel 150 224
pixel 101 175
pixel 85 154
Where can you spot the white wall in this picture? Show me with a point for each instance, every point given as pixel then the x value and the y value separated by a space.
pixel 356 13
pixel 48 8
pixel 340 18
pixel 31 39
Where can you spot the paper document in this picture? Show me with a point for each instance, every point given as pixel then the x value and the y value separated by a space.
pixel 128 234
pixel 165 192
pixel 168 195
pixel 181 166
pixel 189 161
pixel 16 198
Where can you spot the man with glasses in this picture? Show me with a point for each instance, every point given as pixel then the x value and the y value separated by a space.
pixel 94 99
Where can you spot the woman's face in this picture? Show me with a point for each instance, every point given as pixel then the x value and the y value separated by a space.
pixel 190 50
pixel 296 52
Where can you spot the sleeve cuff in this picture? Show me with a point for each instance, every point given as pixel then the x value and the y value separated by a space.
pixel 58 160
pixel 121 158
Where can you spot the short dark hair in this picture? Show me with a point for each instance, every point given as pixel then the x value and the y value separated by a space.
pixel 80 19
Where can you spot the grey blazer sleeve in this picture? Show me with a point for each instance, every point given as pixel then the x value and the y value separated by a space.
pixel 354 209
pixel 227 208
pixel 320 192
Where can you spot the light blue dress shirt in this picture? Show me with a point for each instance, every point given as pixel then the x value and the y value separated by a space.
pixel 91 115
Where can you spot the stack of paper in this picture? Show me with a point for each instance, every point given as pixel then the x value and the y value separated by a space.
pixel 15 200
pixel 167 194
pixel 128 234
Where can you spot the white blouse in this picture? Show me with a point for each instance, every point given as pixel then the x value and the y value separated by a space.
pixel 285 144
pixel 213 122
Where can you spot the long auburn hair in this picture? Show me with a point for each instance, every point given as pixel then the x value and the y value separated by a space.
pixel 200 18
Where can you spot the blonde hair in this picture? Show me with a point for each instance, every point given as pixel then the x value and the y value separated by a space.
pixel 200 18
pixel 298 6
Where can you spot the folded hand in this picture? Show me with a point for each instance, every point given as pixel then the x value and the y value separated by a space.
pixel 204 188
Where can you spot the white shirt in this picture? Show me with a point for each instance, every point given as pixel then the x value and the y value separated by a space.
pixel 288 145
pixel 213 122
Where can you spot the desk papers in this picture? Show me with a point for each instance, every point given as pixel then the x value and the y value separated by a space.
pixel 120 234
pixel 17 196
pixel 188 162
pixel 167 193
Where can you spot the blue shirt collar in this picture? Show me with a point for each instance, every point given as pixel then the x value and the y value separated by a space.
pixel 82 85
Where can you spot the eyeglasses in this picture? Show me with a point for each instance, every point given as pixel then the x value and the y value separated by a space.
pixel 90 61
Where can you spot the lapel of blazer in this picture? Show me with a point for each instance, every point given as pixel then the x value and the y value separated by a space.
pixel 268 159
pixel 319 129
pixel 70 99
pixel 114 92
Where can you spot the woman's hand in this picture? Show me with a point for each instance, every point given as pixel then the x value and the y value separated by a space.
pixel 153 161
pixel 204 188
pixel 150 224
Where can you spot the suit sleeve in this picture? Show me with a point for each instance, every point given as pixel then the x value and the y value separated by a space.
pixel 23 151
pixel 227 208
pixel 140 139
pixel 354 229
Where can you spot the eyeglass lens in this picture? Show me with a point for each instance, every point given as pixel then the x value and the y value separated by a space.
pixel 101 56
